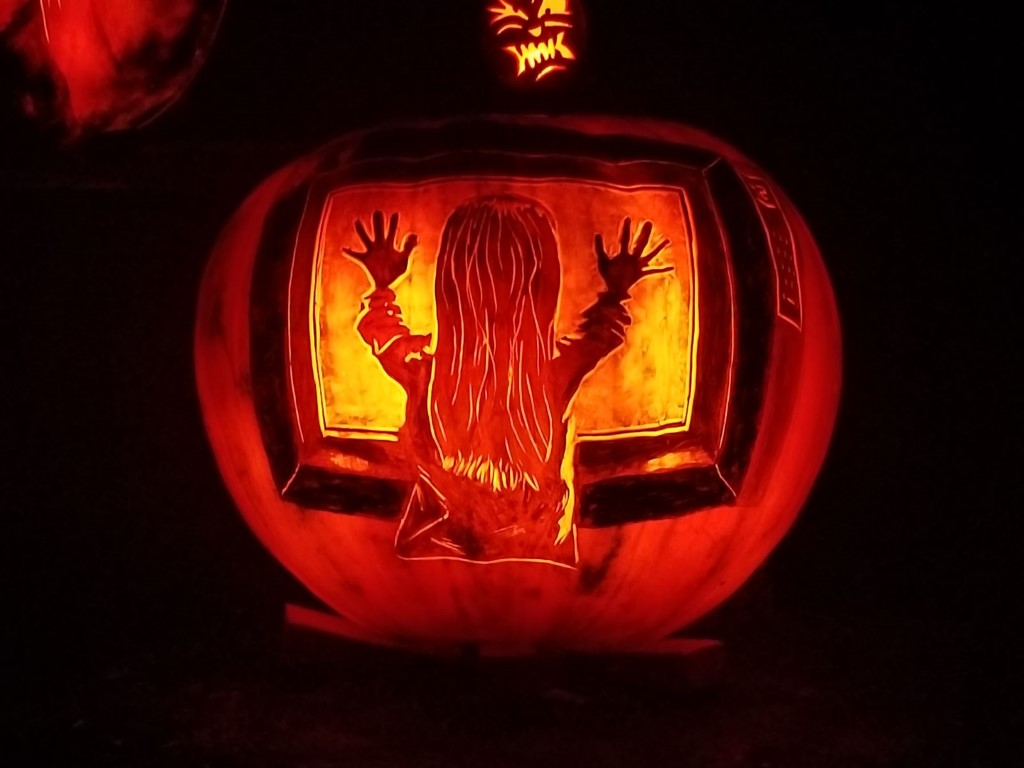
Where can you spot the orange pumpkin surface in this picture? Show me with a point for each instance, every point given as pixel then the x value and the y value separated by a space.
pixel 524 383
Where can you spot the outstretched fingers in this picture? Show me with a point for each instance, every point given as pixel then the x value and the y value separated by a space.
pixel 645 267
pixel 378 226
pixel 602 254
pixel 654 270
pixel 657 249
pixel 410 242
pixel 363 234
pixel 392 228
pixel 624 235
pixel 643 238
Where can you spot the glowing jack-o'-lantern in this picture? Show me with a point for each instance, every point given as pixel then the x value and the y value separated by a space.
pixel 540 35
pixel 106 65
pixel 519 382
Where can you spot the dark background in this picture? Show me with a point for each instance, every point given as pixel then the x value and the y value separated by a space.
pixel 143 619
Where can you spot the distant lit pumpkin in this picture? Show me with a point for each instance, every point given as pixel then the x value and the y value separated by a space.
pixel 540 37
pixel 516 382
pixel 106 65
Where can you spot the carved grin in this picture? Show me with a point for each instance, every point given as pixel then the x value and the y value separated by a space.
pixel 543 57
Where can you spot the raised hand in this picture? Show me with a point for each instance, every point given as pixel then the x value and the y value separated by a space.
pixel 383 262
pixel 623 271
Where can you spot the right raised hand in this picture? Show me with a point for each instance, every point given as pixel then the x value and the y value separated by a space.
pixel 633 262
pixel 383 262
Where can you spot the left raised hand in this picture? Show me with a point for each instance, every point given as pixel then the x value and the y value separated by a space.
pixel 383 260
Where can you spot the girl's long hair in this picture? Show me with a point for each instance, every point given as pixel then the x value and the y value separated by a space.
pixel 491 404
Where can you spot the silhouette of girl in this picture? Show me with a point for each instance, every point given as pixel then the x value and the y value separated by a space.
pixel 487 415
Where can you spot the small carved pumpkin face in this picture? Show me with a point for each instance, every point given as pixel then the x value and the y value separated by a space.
pixel 539 35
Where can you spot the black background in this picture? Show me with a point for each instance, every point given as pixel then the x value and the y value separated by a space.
pixel 144 619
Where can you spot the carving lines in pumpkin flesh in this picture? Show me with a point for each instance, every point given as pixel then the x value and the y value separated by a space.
pixel 43 4
pixel 547 21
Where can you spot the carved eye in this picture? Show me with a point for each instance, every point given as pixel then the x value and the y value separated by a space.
pixel 548 7
pixel 506 16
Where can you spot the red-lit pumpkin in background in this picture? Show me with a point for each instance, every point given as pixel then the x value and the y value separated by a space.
pixel 106 65
pixel 523 383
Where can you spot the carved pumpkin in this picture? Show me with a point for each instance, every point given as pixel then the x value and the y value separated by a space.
pixel 540 36
pixel 519 382
pixel 106 65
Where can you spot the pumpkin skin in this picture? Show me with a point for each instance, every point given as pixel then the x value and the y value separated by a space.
pixel 105 65
pixel 666 527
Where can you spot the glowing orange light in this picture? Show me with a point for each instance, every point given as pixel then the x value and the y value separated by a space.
pixel 431 399
pixel 651 374
pixel 491 362
pixel 536 34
